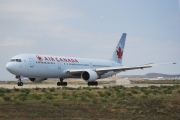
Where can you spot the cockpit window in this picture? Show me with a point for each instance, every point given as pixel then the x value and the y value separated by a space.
pixel 13 60
pixel 16 60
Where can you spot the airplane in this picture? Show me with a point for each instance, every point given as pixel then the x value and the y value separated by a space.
pixel 41 67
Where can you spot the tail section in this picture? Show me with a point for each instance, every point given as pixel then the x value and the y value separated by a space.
pixel 118 53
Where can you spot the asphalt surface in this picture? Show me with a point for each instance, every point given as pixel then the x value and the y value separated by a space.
pixel 11 86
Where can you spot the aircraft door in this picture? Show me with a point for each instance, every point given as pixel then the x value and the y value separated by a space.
pixel 59 65
pixel 31 62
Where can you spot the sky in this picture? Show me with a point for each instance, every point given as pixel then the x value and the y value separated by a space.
pixel 92 29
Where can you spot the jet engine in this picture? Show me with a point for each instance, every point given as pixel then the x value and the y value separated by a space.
pixel 37 79
pixel 89 76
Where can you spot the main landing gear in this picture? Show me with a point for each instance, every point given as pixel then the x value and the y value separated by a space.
pixel 61 83
pixel 95 83
pixel 20 83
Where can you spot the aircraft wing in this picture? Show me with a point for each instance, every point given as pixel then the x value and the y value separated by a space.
pixel 101 71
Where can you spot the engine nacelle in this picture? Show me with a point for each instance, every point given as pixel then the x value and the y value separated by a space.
pixel 89 76
pixel 37 79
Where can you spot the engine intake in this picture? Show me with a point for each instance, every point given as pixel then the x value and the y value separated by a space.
pixel 89 76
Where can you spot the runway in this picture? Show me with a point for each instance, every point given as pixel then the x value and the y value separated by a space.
pixel 12 86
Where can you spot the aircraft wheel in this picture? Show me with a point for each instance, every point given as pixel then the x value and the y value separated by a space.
pixel 65 83
pixel 58 83
pixel 61 83
pixel 96 83
pixel 89 83
pixel 20 83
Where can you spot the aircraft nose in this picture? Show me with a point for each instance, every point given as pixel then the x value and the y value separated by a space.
pixel 12 68
pixel 9 67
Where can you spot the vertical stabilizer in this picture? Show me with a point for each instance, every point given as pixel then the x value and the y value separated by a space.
pixel 118 53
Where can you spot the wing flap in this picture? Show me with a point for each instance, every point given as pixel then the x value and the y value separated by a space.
pixel 124 68
pixel 101 71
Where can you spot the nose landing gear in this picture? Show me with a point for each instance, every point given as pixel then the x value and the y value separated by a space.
pixel 61 83
pixel 20 83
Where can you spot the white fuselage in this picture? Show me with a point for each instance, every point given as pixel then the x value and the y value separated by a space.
pixel 46 66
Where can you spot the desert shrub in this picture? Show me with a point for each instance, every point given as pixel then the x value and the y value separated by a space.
pixel 65 88
pixel 136 87
pixel 65 95
pixel 36 96
pixel 104 100
pixel 95 88
pixel 56 104
pixel 176 86
pixel 27 91
pixel 55 94
pixel 121 94
pixel 44 90
pixel 105 87
pixel 118 88
pixel 100 94
pixel 107 93
pixel 71 98
pixel 79 88
pixel 83 98
pixel 49 96
pixel 166 91
pixel 74 94
pixel 162 86
pixel 7 98
pixel 16 89
pixel 70 88
pixel 1 94
pixel 171 88
pixel 52 89
pixel 88 95
pixel 22 90
pixel 143 89
pixel 8 90
pixel 178 91
pixel 37 88
pixel 88 88
pixel 95 101
pixel 144 96
pixel 160 92
pixel 153 87
pixel 43 101
pixel 129 94
pixel 147 92
pixel 2 90
pixel 155 91
pixel 22 97
pixel 134 91
pixel 162 111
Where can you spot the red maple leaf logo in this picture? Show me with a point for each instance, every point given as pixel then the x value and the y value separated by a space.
pixel 119 53
pixel 39 58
